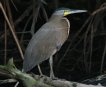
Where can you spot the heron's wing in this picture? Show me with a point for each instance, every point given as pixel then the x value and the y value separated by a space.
pixel 41 47
pixel 44 44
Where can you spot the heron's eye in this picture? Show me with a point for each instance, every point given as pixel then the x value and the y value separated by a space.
pixel 66 12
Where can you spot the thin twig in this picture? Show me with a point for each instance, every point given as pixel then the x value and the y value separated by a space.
pixel 7 81
pixel 25 13
pixel 44 12
pixel 12 30
pixel 5 38
pixel 24 29
pixel 36 8
pixel 91 47
pixel 103 57
pixel 5 42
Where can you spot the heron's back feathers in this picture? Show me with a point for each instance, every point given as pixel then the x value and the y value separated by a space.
pixel 45 43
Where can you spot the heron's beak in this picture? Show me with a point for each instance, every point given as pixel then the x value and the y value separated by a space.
pixel 67 12
pixel 77 11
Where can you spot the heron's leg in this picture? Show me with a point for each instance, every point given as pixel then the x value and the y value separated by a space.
pixel 41 74
pixel 51 67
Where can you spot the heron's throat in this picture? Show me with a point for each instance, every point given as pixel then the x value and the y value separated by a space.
pixel 56 17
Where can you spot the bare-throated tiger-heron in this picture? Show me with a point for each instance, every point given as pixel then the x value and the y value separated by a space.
pixel 48 39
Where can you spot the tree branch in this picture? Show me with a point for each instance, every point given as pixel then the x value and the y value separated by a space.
pixel 29 80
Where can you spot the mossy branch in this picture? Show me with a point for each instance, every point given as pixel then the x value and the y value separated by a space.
pixel 10 70
pixel 29 80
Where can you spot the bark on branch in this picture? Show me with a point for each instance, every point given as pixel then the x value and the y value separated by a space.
pixel 29 80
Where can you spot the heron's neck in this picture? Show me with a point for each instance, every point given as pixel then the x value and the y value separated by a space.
pixel 55 17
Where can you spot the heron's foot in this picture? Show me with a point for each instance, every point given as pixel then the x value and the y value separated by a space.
pixel 41 75
pixel 53 77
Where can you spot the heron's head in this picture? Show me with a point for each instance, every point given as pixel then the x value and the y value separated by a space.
pixel 67 11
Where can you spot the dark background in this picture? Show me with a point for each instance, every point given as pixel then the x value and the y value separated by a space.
pixel 83 54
